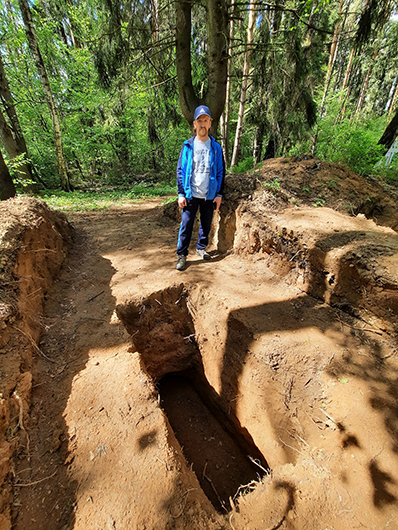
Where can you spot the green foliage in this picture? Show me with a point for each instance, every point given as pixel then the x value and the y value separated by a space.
pixel 389 173
pixel 244 165
pixel 112 71
pixel 274 186
pixel 319 201
pixel 354 144
pixel 106 136
pixel 14 167
pixel 15 164
pixel 77 201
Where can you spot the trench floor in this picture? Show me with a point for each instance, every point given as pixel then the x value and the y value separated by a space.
pixel 220 464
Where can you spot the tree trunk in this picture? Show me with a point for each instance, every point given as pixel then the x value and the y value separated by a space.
pixel 155 20
pixel 34 47
pixel 394 99
pixel 11 147
pixel 258 142
pixel 9 106
pixel 347 72
pixel 225 115
pixel 390 133
pixel 217 27
pixel 71 25
pixel 7 188
pixel 350 60
pixel 12 138
pixel 187 97
pixel 217 56
pixel 272 147
pixel 246 66
pixel 366 83
pixel 332 57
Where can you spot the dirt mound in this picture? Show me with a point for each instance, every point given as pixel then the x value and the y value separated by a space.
pixel 349 262
pixel 308 181
pixel 152 393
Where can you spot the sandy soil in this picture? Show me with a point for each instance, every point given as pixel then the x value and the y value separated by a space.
pixel 255 391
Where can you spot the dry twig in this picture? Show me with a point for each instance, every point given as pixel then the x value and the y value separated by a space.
pixel 37 481
pixel 213 487
pixel 94 297
pixel 35 346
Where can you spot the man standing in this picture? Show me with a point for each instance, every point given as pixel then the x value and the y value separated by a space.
pixel 200 181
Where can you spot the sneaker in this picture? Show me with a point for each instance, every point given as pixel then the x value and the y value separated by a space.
pixel 181 263
pixel 203 254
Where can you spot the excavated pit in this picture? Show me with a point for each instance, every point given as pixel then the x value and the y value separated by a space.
pixel 223 456
pixel 215 454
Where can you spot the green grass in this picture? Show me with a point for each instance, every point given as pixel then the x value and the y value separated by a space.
pixel 79 201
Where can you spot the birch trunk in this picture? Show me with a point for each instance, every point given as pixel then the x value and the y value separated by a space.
pixel 245 78
pixel 394 99
pixel 34 47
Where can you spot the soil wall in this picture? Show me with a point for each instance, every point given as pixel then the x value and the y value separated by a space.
pixel 33 245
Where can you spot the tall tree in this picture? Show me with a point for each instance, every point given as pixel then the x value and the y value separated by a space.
pixel 365 84
pixel 371 21
pixel 332 55
pixel 288 55
pixel 35 49
pixel 245 80
pixel 217 47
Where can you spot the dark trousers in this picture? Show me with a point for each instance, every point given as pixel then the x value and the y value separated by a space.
pixel 188 215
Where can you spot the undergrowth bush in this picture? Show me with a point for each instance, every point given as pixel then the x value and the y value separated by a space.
pixel 345 141
pixel 244 165
pixel 355 146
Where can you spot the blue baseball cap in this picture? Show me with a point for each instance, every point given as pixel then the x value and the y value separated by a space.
pixel 200 111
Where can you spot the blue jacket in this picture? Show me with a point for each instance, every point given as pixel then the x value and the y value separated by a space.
pixel 217 170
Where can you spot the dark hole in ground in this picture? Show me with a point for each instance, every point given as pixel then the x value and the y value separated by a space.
pixel 218 460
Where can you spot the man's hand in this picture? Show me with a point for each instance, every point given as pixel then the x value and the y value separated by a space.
pixel 182 202
pixel 218 200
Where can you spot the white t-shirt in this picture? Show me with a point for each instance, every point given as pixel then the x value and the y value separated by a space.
pixel 200 168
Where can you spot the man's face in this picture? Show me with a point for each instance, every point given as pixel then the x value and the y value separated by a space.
pixel 202 126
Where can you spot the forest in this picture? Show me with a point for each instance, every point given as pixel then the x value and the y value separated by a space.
pixel 101 93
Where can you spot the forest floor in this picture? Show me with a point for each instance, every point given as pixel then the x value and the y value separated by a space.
pixel 255 391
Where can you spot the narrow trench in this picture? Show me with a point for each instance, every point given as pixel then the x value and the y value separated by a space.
pixel 221 452
pixel 220 463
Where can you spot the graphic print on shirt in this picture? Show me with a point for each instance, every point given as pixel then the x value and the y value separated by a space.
pixel 201 169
